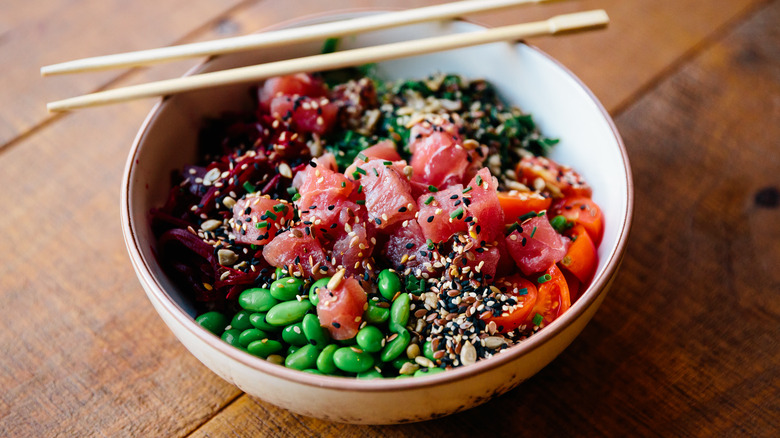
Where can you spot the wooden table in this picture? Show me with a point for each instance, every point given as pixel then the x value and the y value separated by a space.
pixel 686 343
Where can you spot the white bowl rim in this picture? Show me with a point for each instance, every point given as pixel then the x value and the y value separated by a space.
pixel 597 287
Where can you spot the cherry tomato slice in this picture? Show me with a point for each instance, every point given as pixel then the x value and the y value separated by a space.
pixel 581 258
pixel 525 293
pixel 582 211
pixel 560 180
pixel 552 300
pixel 516 204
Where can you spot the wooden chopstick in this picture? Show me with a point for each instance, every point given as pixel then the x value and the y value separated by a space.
pixel 285 36
pixel 347 58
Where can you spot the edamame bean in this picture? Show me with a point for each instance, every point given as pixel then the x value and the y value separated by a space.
pixel 403 376
pixel 288 312
pixel 287 289
pixel 313 296
pixel 315 334
pixel 428 350
pixel 325 359
pixel 257 300
pixel 375 314
pixel 259 322
pixel 370 338
pixel 422 372
pixel 399 362
pixel 231 337
pixel 370 374
pixel 214 322
pixel 264 347
pixel 389 284
pixel 313 371
pixel 303 358
pixel 394 348
pixel 353 360
pixel 399 313
pixel 293 335
pixel 292 349
pixel 240 320
pixel 275 358
pixel 279 273
pixel 251 335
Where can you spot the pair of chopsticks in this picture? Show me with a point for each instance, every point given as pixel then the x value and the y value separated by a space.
pixel 330 61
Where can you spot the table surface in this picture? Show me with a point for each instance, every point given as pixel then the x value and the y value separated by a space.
pixel 686 343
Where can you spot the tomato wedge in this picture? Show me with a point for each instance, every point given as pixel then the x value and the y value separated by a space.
pixel 582 211
pixel 552 300
pixel 525 293
pixel 559 179
pixel 518 203
pixel 581 259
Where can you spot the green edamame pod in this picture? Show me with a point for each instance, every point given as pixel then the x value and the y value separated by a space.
pixel 422 372
pixel 325 359
pixel 398 345
pixel 313 297
pixel 231 337
pixel 353 360
pixel 303 358
pixel 370 374
pixel 287 289
pixel 375 314
pixel 293 335
pixel 288 312
pixel 388 283
pixel 315 334
pixel 428 350
pixel 257 300
pixel 214 322
pixel 399 313
pixel 251 335
pixel 240 320
pixel 264 347
pixel 370 338
pixel 258 321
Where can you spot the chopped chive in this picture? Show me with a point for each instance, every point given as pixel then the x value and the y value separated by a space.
pixel 387 163
pixel 457 213
pixel 280 207
pixel 429 200
pixel 360 188
pixel 249 187
pixel 360 202
pixel 527 216
pixel 263 224
pixel 343 184
pixel 271 214
pixel 253 246
pixel 296 197
pixel 479 180
pixel 429 242
pixel 533 232
pixel 361 170
pixel 330 45
pixel 523 291
pixel 355 175
pixel 376 172
pixel 363 157
pixel 467 189
pixel 433 189
pixel 538 319
pixel 544 278
pixel 292 190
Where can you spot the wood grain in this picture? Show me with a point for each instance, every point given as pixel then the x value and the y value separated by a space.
pixel 685 345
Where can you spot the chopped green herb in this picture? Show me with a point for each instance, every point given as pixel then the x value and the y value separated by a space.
pixel 292 190
pixel 533 232
pixel 263 224
pixel 467 189
pixel 544 278
pixel 479 180
pixel 360 202
pixel 523 291
pixel 361 171
pixel 429 200
pixel 356 175
pixel 280 208
pixel 271 214
pixel 249 187
pixel 457 213
pixel 343 184
pixel 363 157
pixel 525 217
pixel 560 224
pixel 296 197
pixel 330 45
pixel 387 163
pixel 360 188
pixel 433 189
pixel 538 319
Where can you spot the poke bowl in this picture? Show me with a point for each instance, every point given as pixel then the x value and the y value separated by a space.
pixel 562 108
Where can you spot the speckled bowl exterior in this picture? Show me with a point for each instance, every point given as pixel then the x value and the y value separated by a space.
pixel 562 106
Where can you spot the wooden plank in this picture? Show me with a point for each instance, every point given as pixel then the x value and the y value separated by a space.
pixel 686 344
pixel 61 30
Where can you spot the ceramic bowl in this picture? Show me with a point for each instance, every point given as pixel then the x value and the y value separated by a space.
pixel 562 106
